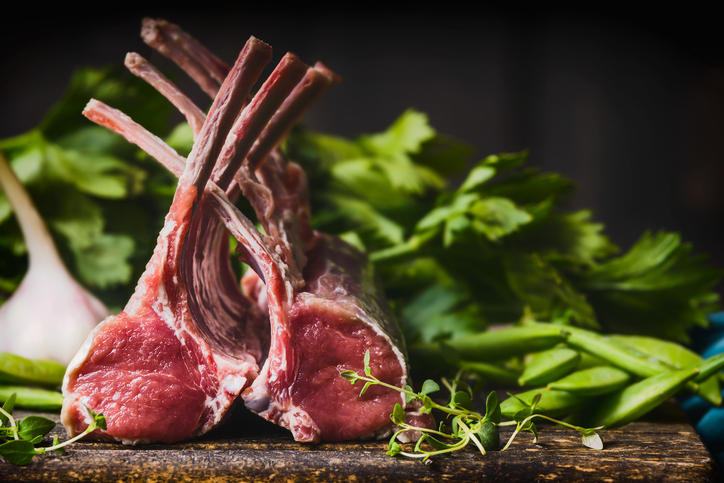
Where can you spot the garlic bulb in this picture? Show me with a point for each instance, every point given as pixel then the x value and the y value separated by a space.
pixel 50 315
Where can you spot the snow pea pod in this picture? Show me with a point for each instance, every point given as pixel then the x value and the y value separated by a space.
pixel 32 398
pixel 665 351
pixel 620 355
pixel 491 372
pixel 709 367
pixel 677 357
pixel 615 352
pixel 504 343
pixel 549 365
pixel 593 381
pixel 19 370
pixel 625 405
pixel 588 360
pixel 553 403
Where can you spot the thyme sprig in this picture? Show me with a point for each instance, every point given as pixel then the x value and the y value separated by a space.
pixel 19 440
pixel 466 426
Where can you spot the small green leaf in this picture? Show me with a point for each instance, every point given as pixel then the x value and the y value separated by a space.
pixel 477 177
pixel 522 414
pixel 529 426
pixel 496 217
pixel 394 449
pixel 33 426
pixel 364 388
pixel 34 440
pixel 399 416
pixel 492 408
pixel 462 400
pixel 56 442
pixel 438 445
pixel 455 428
pixel 535 401
pixel 409 397
pixel 428 387
pixel 100 421
pixel 368 370
pixel 463 386
pixel 351 376
pixel 18 452
pixel 427 403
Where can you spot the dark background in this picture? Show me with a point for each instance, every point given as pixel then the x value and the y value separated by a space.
pixel 628 103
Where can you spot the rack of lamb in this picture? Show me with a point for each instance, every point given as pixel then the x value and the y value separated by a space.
pixel 190 342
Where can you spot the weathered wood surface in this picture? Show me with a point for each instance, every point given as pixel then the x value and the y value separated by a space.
pixel 664 448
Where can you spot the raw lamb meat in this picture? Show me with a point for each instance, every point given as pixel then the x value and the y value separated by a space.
pixel 325 308
pixel 332 321
pixel 171 364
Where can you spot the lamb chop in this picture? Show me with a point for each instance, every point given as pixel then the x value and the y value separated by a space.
pixel 172 363
pixel 320 324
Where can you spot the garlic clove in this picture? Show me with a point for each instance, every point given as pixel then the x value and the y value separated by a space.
pixel 50 315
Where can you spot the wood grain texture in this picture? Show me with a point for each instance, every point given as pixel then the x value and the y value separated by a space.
pixel 661 448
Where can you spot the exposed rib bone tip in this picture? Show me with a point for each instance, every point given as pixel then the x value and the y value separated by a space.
pixel 336 78
pixel 132 58
pixel 149 30
pixel 256 43
pixel 90 105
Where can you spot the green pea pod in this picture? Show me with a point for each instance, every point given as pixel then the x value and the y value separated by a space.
pixel 615 352
pixel 553 403
pixel 708 368
pixel 588 360
pixel 593 381
pixel 630 403
pixel 32 372
pixel 32 398
pixel 665 351
pixel 493 345
pixel 619 354
pixel 549 365
pixel 677 357
pixel 491 372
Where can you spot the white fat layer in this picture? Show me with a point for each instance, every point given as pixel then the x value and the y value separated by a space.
pixel 233 385
pixel 161 305
pixel 257 398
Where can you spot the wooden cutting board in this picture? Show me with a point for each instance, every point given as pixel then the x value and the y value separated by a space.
pixel 662 448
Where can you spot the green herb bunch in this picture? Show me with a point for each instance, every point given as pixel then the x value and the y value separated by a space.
pixel 500 245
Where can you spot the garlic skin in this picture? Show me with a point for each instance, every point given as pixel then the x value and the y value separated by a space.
pixel 50 315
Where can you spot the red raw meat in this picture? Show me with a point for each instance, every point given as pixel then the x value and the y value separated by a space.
pixel 325 307
pixel 170 365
